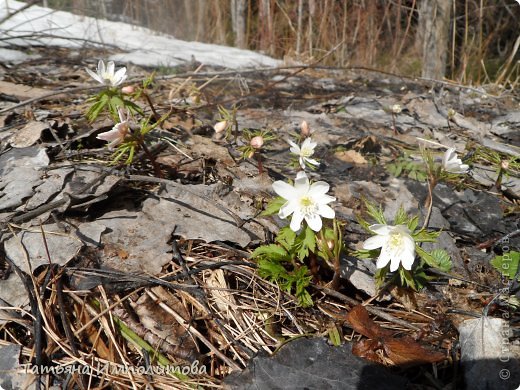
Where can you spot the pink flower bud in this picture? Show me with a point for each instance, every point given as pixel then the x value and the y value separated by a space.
pixel 128 89
pixel 305 130
pixel 220 127
pixel 257 142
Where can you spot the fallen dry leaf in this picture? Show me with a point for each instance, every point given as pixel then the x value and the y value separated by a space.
pixel 28 135
pixel 402 351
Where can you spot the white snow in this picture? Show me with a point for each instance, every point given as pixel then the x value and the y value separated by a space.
pixel 43 26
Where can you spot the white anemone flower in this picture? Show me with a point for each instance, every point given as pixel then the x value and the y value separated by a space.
pixel 305 201
pixel 305 151
pixel 396 243
pixel 107 75
pixel 451 163
pixel 119 132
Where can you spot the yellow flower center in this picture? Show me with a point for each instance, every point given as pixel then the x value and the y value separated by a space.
pixel 307 205
pixel 396 241
pixel 307 152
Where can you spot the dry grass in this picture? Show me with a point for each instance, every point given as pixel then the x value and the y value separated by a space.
pixel 377 34
pixel 228 318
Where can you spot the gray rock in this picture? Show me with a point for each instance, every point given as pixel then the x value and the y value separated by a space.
pixel 313 364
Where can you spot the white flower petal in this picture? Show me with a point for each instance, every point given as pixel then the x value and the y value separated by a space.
pixel 119 77
pixel 381 229
pixel 294 147
pixel 314 222
pixel 319 188
pixel 100 67
pixel 301 184
pixel 111 66
pixel 383 259
pixel 407 260
pixel 394 263
pixel 296 221
pixel 311 161
pixel 326 211
pixel 374 242
pixel 287 209
pixel 284 189
pixel 309 143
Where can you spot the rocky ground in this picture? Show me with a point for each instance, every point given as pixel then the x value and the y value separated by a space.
pixel 136 266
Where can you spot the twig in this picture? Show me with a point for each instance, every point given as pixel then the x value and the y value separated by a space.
pixel 370 309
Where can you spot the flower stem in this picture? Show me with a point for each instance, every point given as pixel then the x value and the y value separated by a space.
pixel 151 157
pixel 432 182
pixel 260 165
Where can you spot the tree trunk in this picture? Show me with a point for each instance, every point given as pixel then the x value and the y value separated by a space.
pixel 238 18
pixel 432 36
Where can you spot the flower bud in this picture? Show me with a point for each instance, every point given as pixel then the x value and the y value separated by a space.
pixel 305 130
pixel 220 127
pixel 451 113
pixel 396 109
pixel 257 142
pixel 128 89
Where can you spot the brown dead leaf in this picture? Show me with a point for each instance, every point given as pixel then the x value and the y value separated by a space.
pixel 205 147
pixel 362 323
pixel 403 351
pixel 175 340
pixel 405 296
pixel 28 135
pixel 350 156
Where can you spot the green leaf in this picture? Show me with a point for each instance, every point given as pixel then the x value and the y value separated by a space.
pixel 376 213
pixel 334 336
pixel 273 207
pixel 272 252
pixel 507 264
pixel 442 258
pixel 437 259
pixel 305 243
pixel 94 111
pixel 412 223
pixel 271 271
pixel 400 217
pixel 367 254
pixel 425 236
pixel 286 237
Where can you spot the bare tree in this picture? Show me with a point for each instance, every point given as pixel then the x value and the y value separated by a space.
pixel 433 35
pixel 238 19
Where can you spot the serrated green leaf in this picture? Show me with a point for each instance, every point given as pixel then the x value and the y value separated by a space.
pixel 272 252
pixel 273 207
pixel 97 107
pixel 400 216
pixel 286 237
pixel 305 243
pixel 507 264
pixel 439 262
pixel 376 213
pixel 442 258
pixel 271 270
pixel 412 223
pixel 425 236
